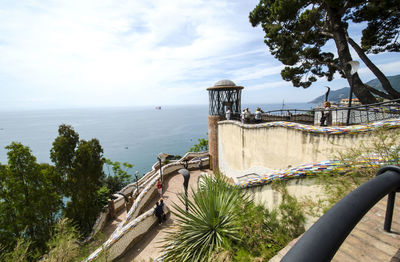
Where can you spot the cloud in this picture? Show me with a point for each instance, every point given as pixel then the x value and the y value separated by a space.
pixel 269 85
pixel 125 52
pixel 256 72
pixel 116 48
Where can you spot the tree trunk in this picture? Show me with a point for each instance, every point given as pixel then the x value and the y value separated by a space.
pixel 339 36
pixel 378 73
pixel 377 92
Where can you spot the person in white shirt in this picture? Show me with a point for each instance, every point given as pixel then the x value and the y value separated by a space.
pixel 258 115
pixel 228 113
pixel 247 115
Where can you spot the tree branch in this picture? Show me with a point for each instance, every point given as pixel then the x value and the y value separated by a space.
pixel 344 8
pixel 377 92
pixel 323 32
pixel 338 67
pixel 374 69
pixel 327 34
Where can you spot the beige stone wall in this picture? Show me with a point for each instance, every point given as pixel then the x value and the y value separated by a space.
pixel 299 188
pixel 255 148
pixel 133 235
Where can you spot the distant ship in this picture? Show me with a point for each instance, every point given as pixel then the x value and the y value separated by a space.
pixel 158 107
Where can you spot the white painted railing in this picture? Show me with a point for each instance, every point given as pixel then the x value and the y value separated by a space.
pixel 136 224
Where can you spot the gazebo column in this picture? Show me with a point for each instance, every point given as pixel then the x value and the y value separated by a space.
pixel 213 140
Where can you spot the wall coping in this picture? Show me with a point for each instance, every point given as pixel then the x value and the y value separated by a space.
pixel 335 130
pixel 305 170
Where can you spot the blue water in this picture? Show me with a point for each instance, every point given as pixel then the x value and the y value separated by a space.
pixel 135 135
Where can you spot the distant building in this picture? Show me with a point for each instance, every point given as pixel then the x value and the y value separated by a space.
pixel 345 101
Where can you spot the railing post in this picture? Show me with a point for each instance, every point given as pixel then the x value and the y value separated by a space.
pixel 391 197
pixel 389 211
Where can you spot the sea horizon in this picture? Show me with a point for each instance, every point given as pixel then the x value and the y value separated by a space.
pixel 134 134
pixel 24 109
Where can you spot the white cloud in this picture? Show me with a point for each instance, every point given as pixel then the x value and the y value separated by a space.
pixel 256 72
pixel 89 48
pixel 128 52
pixel 269 85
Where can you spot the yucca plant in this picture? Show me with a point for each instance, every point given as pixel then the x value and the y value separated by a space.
pixel 211 222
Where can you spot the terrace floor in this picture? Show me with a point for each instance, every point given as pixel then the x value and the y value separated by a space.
pixel 149 246
pixel 368 241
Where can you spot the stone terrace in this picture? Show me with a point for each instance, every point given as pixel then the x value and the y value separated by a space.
pixel 368 241
pixel 149 245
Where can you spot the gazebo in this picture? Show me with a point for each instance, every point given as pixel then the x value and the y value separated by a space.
pixel 225 93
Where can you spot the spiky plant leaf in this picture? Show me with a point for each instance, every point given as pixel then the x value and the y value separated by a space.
pixel 212 220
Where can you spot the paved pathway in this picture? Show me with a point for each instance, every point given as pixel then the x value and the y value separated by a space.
pixel 368 241
pixel 110 226
pixel 149 245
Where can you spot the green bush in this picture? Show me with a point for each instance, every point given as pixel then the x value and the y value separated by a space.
pixel 224 224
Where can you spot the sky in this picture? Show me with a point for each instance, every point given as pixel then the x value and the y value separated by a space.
pixel 107 53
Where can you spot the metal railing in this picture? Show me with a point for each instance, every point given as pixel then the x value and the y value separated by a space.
pixel 324 238
pixel 289 115
pixel 359 114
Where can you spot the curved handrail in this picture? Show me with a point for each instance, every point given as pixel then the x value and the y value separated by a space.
pixel 324 238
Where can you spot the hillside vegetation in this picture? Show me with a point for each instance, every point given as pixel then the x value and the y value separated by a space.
pixel 337 95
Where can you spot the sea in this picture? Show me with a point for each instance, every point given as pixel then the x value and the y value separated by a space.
pixel 135 135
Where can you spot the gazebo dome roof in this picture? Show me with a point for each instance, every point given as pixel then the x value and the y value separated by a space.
pixel 225 84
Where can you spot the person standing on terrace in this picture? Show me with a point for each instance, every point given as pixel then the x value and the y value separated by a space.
pixel 228 113
pixel 247 115
pixel 326 118
pixel 258 115
pixel 158 212
pixel 159 187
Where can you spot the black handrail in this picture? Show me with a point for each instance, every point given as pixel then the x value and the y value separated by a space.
pixel 324 238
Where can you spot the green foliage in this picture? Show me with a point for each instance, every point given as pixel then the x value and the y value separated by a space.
pixel 294 37
pixel 275 229
pixel 63 151
pixel 211 221
pixel 63 244
pixel 117 176
pixel 358 166
pixel 298 33
pixel 384 143
pixel 201 146
pixel 80 164
pixel 30 199
pixel 382 31
pixel 359 163
pixel 103 195
pixel 223 224
pixel 339 94
pixel 31 194
pixel 20 253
